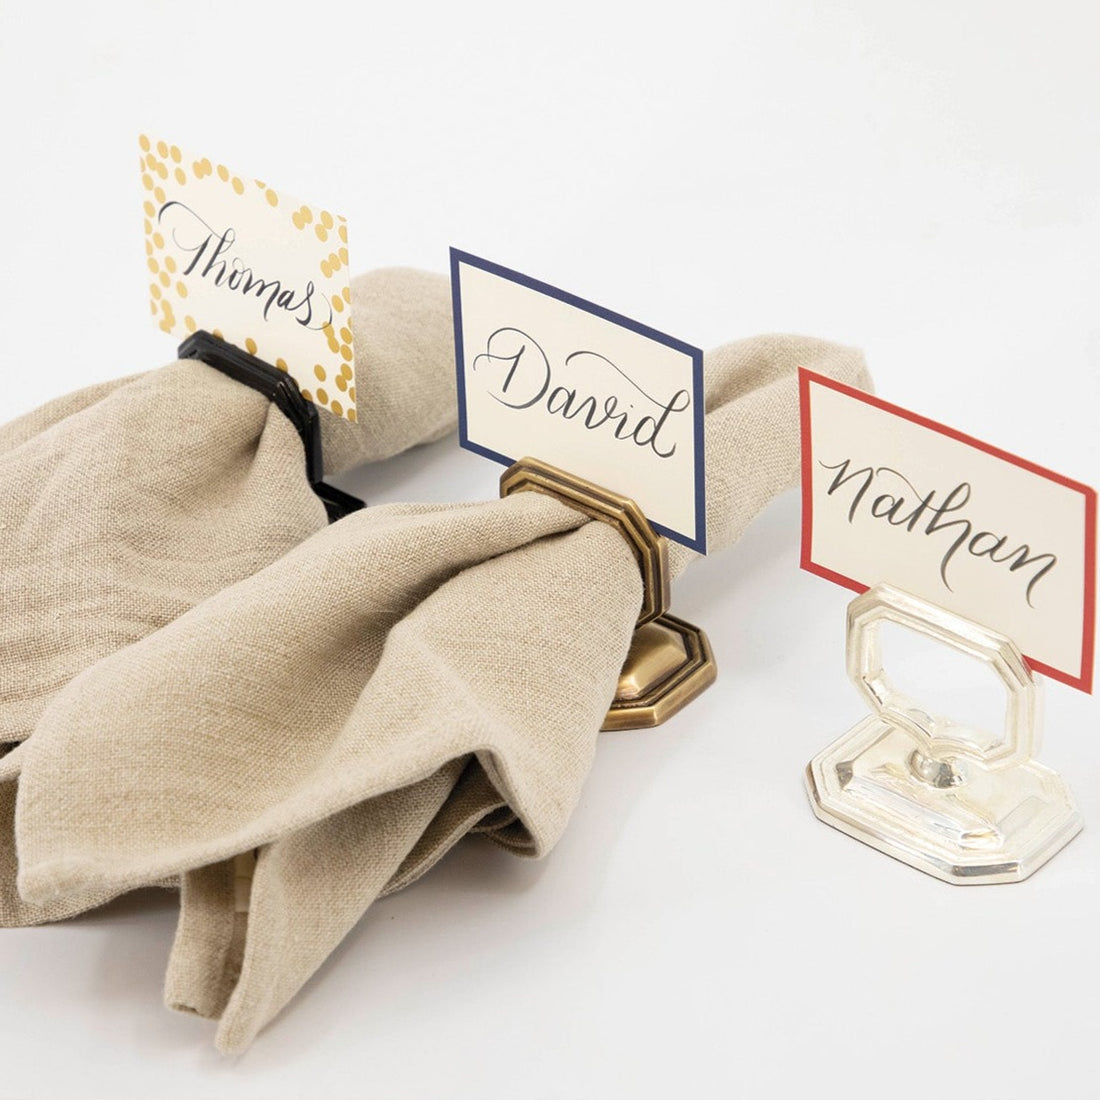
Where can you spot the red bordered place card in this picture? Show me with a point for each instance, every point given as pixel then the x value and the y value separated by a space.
pixel 892 497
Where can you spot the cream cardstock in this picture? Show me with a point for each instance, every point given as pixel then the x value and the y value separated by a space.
pixel 892 497
pixel 546 375
pixel 257 267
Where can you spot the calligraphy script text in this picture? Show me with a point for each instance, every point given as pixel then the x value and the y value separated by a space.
pixel 193 236
pixel 525 379
pixel 921 514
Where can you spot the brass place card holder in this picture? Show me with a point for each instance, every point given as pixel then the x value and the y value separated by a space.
pixel 961 804
pixel 670 661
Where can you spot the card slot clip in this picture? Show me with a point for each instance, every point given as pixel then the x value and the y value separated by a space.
pixel 670 661
pixel 279 388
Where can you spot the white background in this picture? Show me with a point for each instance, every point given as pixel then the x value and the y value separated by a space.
pixel 921 179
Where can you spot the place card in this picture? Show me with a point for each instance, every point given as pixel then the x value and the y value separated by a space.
pixel 547 375
pixel 892 497
pixel 254 266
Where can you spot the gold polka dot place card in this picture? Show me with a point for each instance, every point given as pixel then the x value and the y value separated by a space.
pixel 254 266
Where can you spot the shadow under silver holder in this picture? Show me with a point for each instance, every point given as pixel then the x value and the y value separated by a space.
pixel 959 804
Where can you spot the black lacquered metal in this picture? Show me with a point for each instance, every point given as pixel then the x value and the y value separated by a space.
pixel 281 390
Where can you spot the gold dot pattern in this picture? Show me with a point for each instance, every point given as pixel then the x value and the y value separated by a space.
pixel 166 166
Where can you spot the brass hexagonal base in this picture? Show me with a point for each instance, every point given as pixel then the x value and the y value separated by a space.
pixel 670 662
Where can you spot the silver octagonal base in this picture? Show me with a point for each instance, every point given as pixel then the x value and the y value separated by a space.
pixel 992 826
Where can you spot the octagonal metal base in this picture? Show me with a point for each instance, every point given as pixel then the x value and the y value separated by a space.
pixel 994 826
pixel 670 662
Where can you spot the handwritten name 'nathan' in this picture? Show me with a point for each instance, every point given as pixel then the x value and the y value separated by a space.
pixel 919 513
pixel 193 235
pixel 528 382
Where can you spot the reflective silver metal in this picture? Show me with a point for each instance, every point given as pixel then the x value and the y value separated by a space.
pixel 963 805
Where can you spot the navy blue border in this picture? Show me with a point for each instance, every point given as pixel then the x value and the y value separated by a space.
pixel 699 542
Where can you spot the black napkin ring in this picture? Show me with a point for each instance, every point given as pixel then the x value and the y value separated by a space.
pixel 281 390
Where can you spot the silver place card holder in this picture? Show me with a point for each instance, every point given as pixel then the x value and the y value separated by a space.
pixel 966 806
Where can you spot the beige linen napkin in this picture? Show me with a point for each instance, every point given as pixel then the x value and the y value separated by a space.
pixel 127 503
pixel 408 674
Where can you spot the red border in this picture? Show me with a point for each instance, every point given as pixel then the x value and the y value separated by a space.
pixel 1083 681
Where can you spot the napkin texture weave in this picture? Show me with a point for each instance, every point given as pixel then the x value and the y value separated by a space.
pixel 127 503
pixel 402 677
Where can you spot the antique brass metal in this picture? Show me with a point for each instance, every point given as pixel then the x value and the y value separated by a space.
pixel 650 549
pixel 670 661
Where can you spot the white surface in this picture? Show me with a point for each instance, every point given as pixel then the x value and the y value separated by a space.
pixel 922 179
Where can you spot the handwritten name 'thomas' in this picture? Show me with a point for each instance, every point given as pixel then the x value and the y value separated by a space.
pixel 921 514
pixel 212 257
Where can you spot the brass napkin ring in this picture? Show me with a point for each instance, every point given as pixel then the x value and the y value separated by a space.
pixel 670 661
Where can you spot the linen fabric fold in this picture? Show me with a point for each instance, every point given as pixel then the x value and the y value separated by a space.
pixel 127 503
pixel 399 679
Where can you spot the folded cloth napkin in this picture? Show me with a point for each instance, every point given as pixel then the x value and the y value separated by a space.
pixel 127 503
pixel 404 676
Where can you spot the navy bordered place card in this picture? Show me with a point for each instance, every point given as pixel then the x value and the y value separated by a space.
pixel 547 375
